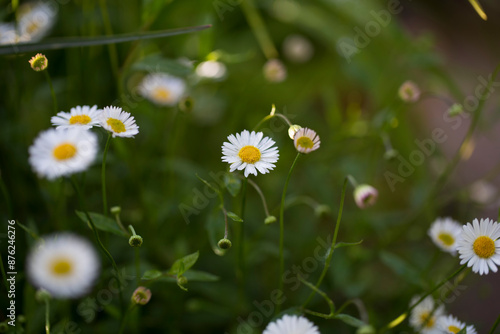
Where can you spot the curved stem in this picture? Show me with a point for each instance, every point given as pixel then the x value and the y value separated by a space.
pixel 332 247
pixel 282 229
pixel 103 177
pixel 268 117
pixel 259 29
pixel 99 242
pixel 261 195
pixel 495 325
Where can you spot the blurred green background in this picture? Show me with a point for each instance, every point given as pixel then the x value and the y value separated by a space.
pixel 352 105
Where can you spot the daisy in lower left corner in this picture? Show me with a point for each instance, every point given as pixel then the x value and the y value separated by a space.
pixel 120 123
pixel 479 246
pixel 64 264
pixel 289 324
pixel 251 152
pixel 57 153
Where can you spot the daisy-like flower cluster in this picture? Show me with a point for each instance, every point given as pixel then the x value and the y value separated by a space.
pixel 70 147
pixel 289 324
pixel 429 318
pixel 477 244
pixel 65 265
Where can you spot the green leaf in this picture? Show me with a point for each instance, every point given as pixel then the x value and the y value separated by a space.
pixel 156 62
pixel 347 244
pixel 350 320
pixel 102 223
pixel 234 216
pixel 28 230
pixel 74 42
pixel 151 275
pixel 207 184
pixel 232 183
pixel 200 276
pixel 182 265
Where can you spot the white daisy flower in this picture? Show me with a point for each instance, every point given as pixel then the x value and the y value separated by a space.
pixel 365 196
pixel 423 317
pixel 479 246
pixel 211 69
pixel 298 48
pixel 118 122
pixel 445 233
pixel 450 325
pixel 8 34
pixel 291 324
pixel 251 152
pixel 35 21
pixel 162 89
pixel 84 117
pixel 64 264
pixel 306 140
pixel 56 153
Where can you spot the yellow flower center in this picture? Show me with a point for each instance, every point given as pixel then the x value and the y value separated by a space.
pixel 446 238
pixel 64 151
pixel 305 142
pixel 32 27
pixel 161 94
pixel 249 154
pixel 484 247
pixel 427 320
pixel 116 125
pixel 80 119
pixel 453 329
pixel 61 267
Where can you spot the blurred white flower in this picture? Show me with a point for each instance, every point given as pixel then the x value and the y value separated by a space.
pixel 56 153
pixel 162 89
pixel 8 34
pixel 423 317
pixel 298 49
pixel 445 233
pixel 35 21
pixel 451 325
pixel 63 264
pixel 274 71
pixel 409 92
pixel 365 196
pixel 483 192
pixel 291 324
pixel 84 117
pixel 211 69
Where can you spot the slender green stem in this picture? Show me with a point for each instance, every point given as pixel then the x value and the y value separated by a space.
pixel 47 315
pixel 315 289
pixel 332 247
pixel 99 242
pixel 259 29
pixel 240 240
pixel 137 258
pixel 268 117
pixel 495 325
pixel 282 229
pixel 395 322
pixel 113 55
pixel 120 225
pixel 103 177
pixel 52 92
pixel 261 195
pixel 352 181
pixel 124 319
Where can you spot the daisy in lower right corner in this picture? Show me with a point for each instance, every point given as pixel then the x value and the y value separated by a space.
pixel 64 264
pixel 250 151
pixel 289 324
pixel 479 246
pixel 451 325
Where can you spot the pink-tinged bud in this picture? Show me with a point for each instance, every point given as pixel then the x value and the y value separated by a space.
pixel 365 196
pixel 39 62
pixel 275 70
pixel 409 92
pixel 141 296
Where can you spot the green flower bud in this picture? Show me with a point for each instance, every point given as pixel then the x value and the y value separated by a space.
pixel 270 220
pixel 42 295
pixel 224 243
pixel 39 62
pixel 135 241
pixel 116 210
pixel 322 210
pixel 182 280
pixel 292 130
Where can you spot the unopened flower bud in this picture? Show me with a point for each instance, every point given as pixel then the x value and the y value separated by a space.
pixel 292 130
pixel 135 241
pixel 182 280
pixel 39 62
pixel 270 220
pixel 224 243
pixel 116 210
pixel 42 295
pixel 274 70
pixel 141 296
pixel 365 196
pixel 322 210
pixel 409 92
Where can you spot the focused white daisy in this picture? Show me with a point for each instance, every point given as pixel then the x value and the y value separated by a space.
pixel 423 317
pixel 162 89
pixel 56 153
pixel 120 123
pixel 291 324
pixel 445 233
pixel 84 117
pixel 306 140
pixel 479 246
pixel 251 152
pixel 451 325
pixel 35 21
pixel 63 264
